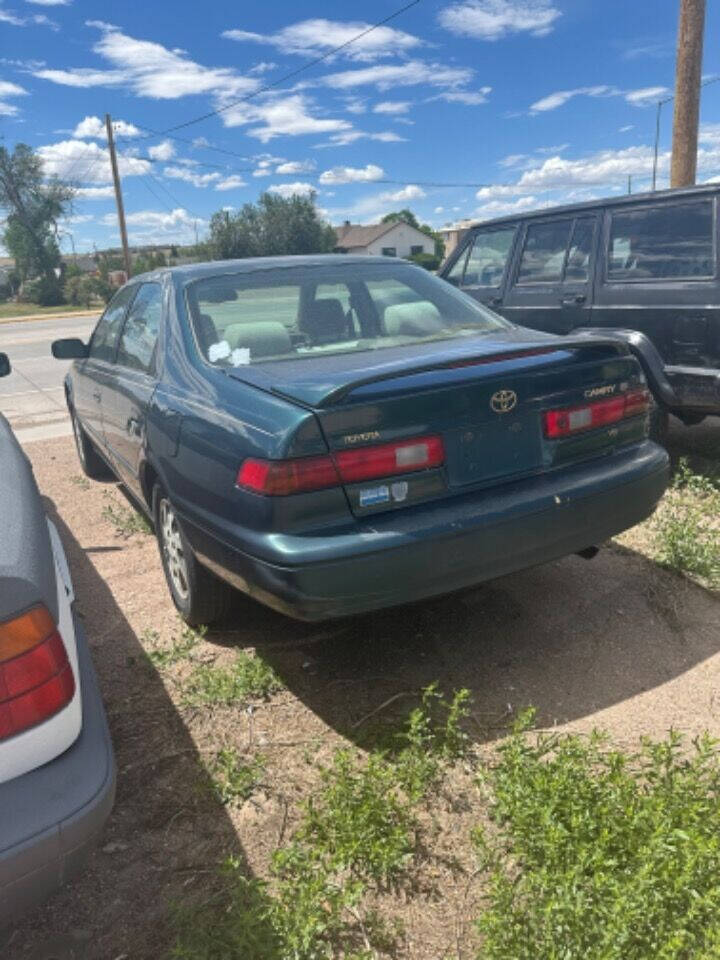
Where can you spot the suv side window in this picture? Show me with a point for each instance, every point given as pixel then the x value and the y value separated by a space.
pixel 140 333
pixel 488 257
pixel 672 241
pixel 455 274
pixel 577 265
pixel 543 255
pixel 105 336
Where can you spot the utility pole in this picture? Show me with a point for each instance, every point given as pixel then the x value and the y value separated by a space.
pixel 118 195
pixel 688 73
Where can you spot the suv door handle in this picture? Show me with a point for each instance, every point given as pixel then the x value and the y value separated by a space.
pixel 574 300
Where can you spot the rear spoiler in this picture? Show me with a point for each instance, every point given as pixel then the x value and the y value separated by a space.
pixel 589 339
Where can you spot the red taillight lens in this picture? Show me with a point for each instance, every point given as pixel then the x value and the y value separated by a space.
pixel 571 420
pixel 370 463
pixel 284 477
pixel 36 678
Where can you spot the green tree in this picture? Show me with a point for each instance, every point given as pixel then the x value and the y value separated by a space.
pixel 407 216
pixel 33 205
pixel 274 226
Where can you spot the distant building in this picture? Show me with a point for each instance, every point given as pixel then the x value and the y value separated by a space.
pixel 392 239
pixel 452 234
pixel 116 278
pixel 84 262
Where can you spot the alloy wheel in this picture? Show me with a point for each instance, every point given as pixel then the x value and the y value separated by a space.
pixel 173 551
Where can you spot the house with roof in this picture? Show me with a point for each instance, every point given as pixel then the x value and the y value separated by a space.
pixel 392 239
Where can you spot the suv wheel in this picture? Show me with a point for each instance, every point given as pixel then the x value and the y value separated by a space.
pixel 200 597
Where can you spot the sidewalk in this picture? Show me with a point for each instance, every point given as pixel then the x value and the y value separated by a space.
pixel 66 315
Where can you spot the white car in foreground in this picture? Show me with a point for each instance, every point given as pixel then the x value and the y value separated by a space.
pixel 57 772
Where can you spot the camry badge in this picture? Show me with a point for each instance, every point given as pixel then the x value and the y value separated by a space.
pixel 503 401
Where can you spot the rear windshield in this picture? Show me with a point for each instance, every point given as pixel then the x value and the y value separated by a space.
pixel 282 313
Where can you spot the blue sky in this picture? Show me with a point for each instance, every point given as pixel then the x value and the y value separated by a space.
pixel 544 101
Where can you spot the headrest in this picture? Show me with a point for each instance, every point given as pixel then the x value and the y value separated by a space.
pixel 324 321
pixel 412 319
pixel 261 339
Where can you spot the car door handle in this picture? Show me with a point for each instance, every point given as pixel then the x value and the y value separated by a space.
pixel 575 300
pixel 97 396
pixel 133 427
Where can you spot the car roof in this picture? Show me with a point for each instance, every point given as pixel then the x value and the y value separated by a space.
pixel 590 205
pixel 194 271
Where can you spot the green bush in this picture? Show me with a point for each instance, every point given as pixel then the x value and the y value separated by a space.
pixel 602 855
pixel 427 260
pixel 46 291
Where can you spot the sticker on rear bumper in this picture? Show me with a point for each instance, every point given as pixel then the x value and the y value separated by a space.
pixel 371 496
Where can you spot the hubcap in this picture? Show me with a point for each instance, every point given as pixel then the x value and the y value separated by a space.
pixel 172 548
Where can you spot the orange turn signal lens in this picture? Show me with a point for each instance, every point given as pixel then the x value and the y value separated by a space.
pixel 24 632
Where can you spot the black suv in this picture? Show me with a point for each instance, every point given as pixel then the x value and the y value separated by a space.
pixel 645 265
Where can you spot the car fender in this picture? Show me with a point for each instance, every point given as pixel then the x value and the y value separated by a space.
pixel 647 355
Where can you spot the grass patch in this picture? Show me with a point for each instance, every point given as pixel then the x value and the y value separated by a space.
pixel 125 520
pixel 233 781
pixel 81 482
pixel 357 836
pixel 180 647
pixel 248 678
pixel 687 526
pixel 20 310
pixel 602 854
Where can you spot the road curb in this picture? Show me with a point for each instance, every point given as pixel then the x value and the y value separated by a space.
pixel 52 316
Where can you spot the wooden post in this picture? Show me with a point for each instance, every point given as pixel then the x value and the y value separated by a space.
pixel 688 73
pixel 118 196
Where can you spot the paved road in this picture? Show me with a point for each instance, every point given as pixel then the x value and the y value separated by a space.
pixel 32 396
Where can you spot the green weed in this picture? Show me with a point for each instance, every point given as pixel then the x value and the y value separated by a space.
pixel 248 678
pixel 180 647
pixel 81 482
pixel 233 781
pixel 686 526
pixel 125 520
pixel 602 854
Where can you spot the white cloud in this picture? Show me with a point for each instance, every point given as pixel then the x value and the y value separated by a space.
pixel 494 19
pixel 439 210
pixel 93 128
pixel 49 3
pixel 352 174
pixel 293 167
pixel 355 105
pixel 263 171
pixel 351 136
pixel 626 128
pixel 411 73
pixel 87 162
pixel 39 19
pixel 287 116
pixel 514 160
pixel 646 95
pixel 94 193
pixel 292 189
pixel 392 106
pixel 369 209
pixel 410 192
pixel 150 70
pixel 501 208
pixel 8 90
pixel 148 226
pixel 263 67
pixel 162 151
pixel 233 182
pixel 187 175
pixel 558 99
pixel 472 98
pixel 311 38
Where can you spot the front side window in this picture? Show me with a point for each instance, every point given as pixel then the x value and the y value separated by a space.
pixel 543 253
pixel 140 333
pixel 455 273
pixel 299 312
pixel 577 265
pixel 104 339
pixel 488 256
pixel 673 241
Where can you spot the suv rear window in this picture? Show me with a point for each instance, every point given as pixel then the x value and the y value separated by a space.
pixel 673 241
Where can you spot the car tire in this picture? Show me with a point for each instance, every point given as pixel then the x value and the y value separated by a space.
pixel 199 596
pixel 659 423
pixel 91 462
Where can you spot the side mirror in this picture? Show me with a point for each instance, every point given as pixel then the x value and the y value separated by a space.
pixel 71 348
pixel 5 367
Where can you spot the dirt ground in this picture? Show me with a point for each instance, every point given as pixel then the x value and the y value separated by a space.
pixel 615 642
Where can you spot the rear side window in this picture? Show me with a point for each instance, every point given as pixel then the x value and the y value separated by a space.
pixel 577 266
pixel 140 333
pixel 105 338
pixel 488 257
pixel 543 253
pixel 673 241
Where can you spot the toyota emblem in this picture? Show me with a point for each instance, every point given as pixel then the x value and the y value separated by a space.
pixel 503 401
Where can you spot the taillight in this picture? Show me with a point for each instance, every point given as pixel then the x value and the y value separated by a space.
pixel 36 678
pixel 570 420
pixel 284 477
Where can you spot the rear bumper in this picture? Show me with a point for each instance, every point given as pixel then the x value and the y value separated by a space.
pixel 436 548
pixel 50 817
pixel 696 388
